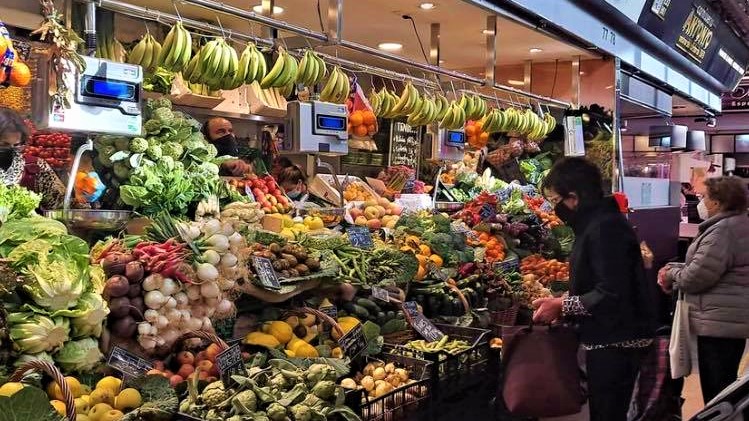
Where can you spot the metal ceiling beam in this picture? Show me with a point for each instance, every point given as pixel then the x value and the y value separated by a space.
pixel 491 50
pixel 335 21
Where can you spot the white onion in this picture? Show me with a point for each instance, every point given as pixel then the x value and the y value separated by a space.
pixel 227 229
pixel 211 227
pixel 193 292
pixel 170 302
pixel 151 315
pixel 173 315
pixel 206 272
pixel 236 239
pixel 211 256
pixel 184 315
pixel 195 323
pixel 218 242
pixel 169 286
pixel 207 324
pixel 144 328
pixel 228 260
pixel 154 331
pixel 153 282
pixel 209 311
pixel 224 307
pixel 211 302
pixel 181 298
pixel 154 299
pixel 160 341
pixel 210 290
pixel 161 322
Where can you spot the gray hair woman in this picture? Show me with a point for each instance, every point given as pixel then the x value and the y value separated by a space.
pixel 715 283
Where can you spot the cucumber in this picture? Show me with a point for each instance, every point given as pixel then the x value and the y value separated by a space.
pixel 361 312
pixel 368 304
pixel 390 315
pixel 381 318
pixel 392 326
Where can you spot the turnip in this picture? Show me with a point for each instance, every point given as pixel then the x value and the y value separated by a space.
pixel 151 315
pixel 236 239
pixel 170 303
pixel 169 286
pixel 211 227
pixel 206 324
pixel 212 257
pixel 155 299
pixel 218 242
pixel 152 282
pixel 170 335
pixel 182 299
pixel 161 322
pixel 225 284
pixel 144 328
pixel 228 260
pixel 193 292
pixel 210 289
pixel 224 307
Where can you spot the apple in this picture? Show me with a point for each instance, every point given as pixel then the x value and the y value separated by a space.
pixel 383 202
pixel 370 202
pixel 381 210
pixel 371 212
pixel 395 209
pixel 361 220
pixel 374 224
pixel 356 212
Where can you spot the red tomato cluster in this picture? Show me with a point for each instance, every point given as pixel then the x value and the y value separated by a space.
pixel 52 147
pixel 266 192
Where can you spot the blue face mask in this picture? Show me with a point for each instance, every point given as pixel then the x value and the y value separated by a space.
pixel 294 194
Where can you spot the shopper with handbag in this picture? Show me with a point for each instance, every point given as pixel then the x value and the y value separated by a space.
pixel 609 299
pixel 714 284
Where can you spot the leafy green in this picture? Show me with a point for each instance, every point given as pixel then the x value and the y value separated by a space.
pixel 81 355
pixel 375 341
pixel 153 189
pixel 29 403
pixel 515 205
pixel 88 316
pixel 17 202
pixel 34 333
pixel 13 233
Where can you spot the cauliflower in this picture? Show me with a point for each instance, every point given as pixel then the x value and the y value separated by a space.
pixel 276 412
pixel 138 145
pixel 152 126
pixel 154 152
pixel 301 413
pixel 214 394
pixel 165 116
pixel 244 402
pixel 324 389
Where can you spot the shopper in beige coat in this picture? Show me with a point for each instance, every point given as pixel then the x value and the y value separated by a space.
pixel 715 282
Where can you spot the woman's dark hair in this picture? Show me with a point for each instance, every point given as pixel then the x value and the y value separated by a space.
pixel 12 122
pixel 575 175
pixel 730 192
pixel 292 174
pixel 283 162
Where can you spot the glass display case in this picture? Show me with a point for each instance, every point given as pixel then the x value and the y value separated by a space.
pixel 647 178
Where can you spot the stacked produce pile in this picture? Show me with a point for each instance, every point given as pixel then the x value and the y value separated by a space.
pixel 54 148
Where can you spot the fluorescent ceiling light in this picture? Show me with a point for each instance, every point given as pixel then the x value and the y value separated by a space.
pixel 442 61
pixel 277 10
pixel 487 32
pixel 515 82
pixel 390 46
pixel 535 50
pixel 427 6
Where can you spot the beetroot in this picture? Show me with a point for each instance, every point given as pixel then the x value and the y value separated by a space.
pixel 137 307
pixel 124 327
pixel 134 272
pixel 119 307
pixel 134 291
pixel 116 286
pixel 114 264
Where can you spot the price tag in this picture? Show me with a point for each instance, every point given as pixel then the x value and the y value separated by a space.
pixel 230 364
pixel 508 265
pixel 360 237
pixel 421 324
pixel 437 272
pixel 266 273
pixel 354 342
pixel 130 365
pixel 248 192
pixel 487 211
pixel 331 311
pixel 380 294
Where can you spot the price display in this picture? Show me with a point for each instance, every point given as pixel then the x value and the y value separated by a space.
pixel 360 237
pixel 421 324
pixel 130 365
pixel 353 342
pixel 230 364
pixel 265 272
pixel 380 294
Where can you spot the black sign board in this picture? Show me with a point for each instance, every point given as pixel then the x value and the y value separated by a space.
pixel 421 324
pixel 738 100
pixel 265 272
pixel 353 342
pixel 331 311
pixel 437 272
pixel 230 364
pixel 380 294
pixel 360 237
pixel 511 264
pixel 130 365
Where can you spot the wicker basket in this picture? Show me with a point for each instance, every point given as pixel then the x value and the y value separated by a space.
pixel 506 317
pixel 52 371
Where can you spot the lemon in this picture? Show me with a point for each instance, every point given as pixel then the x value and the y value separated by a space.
pixel 86 398
pixel 54 392
pixel 101 395
pixel 10 388
pixel 127 399
pixel 112 415
pixel 109 382
pixel 81 405
pixel 82 417
pixel 74 385
pixel 59 406
pixel 98 410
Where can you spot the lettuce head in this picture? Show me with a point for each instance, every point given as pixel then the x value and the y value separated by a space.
pixel 78 356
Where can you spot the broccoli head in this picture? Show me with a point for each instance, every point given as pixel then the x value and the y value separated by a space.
pixel 138 145
pixel 162 102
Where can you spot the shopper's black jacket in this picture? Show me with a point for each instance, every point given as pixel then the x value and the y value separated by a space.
pixel 607 273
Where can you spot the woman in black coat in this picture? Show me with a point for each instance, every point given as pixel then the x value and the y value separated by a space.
pixel 609 299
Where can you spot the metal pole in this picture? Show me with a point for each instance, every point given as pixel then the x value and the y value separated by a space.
pixel 268 32
pixel 528 75
pixel 89 28
pixel 335 21
pixel 576 81
pixel 434 44
pixel 617 179
pixel 491 50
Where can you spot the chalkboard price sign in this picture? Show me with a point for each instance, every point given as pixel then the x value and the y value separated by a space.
pixel 354 342
pixel 421 324
pixel 360 237
pixel 487 211
pixel 230 364
pixel 265 272
pixel 380 294
pixel 130 365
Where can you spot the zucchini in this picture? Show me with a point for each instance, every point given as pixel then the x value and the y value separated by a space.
pixel 370 305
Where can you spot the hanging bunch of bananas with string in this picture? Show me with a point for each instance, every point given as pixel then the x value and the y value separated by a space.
pixel 337 88
pixel 176 50
pixel 215 65
pixel 525 123
pixel 146 53
pixel 474 106
pixel 312 69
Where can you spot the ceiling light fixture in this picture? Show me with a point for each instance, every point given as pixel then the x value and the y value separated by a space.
pixel 277 10
pixel 442 61
pixel 487 32
pixel 390 46
pixel 535 50
pixel 427 6
pixel 515 82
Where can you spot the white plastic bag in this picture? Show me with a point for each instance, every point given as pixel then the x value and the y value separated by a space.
pixel 679 347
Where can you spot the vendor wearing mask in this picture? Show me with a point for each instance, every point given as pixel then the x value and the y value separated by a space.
pixel 220 132
pixel 33 173
pixel 294 182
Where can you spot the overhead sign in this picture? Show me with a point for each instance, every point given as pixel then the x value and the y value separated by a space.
pixel 630 8
pixel 738 100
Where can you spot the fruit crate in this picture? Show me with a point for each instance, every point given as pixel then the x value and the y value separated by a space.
pixel 409 402
pixel 450 374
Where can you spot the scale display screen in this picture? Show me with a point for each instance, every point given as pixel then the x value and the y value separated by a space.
pixel 326 122
pixel 457 139
pixel 109 89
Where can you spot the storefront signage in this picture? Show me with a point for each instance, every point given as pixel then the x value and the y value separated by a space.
pixel 696 33
pixel 630 8
pixel 738 100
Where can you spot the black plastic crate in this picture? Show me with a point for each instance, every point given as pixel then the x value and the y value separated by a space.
pixel 450 373
pixel 409 402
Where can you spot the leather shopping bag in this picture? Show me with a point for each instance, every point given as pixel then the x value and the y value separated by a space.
pixel 679 348
pixel 541 375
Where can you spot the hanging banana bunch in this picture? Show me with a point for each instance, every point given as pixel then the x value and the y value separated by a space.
pixel 337 88
pixel 312 69
pixel 283 72
pixel 177 49
pixel 145 53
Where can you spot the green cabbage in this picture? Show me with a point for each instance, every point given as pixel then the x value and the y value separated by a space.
pixel 80 355
pixel 88 316
pixel 25 358
pixel 34 333
pixel 19 231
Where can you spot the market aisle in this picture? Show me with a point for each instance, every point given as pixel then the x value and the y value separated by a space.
pixel 693 397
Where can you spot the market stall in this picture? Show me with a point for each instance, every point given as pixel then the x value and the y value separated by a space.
pixel 163 288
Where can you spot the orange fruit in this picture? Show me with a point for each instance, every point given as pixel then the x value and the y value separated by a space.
pixel 369 118
pixel 4 44
pixel 360 131
pixel 371 129
pixel 470 130
pixel 484 137
pixel 20 75
pixel 478 125
pixel 356 118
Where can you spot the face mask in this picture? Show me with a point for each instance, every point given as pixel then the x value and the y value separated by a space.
pixel 702 210
pixel 226 145
pixel 294 194
pixel 564 213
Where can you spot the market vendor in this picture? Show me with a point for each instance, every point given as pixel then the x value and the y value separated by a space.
pixel 31 172
pixel 294 182
pixel 220 132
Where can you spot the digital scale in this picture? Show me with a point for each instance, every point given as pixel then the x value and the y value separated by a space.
pixel 452 144
pixel 316 127
pixel 106 99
